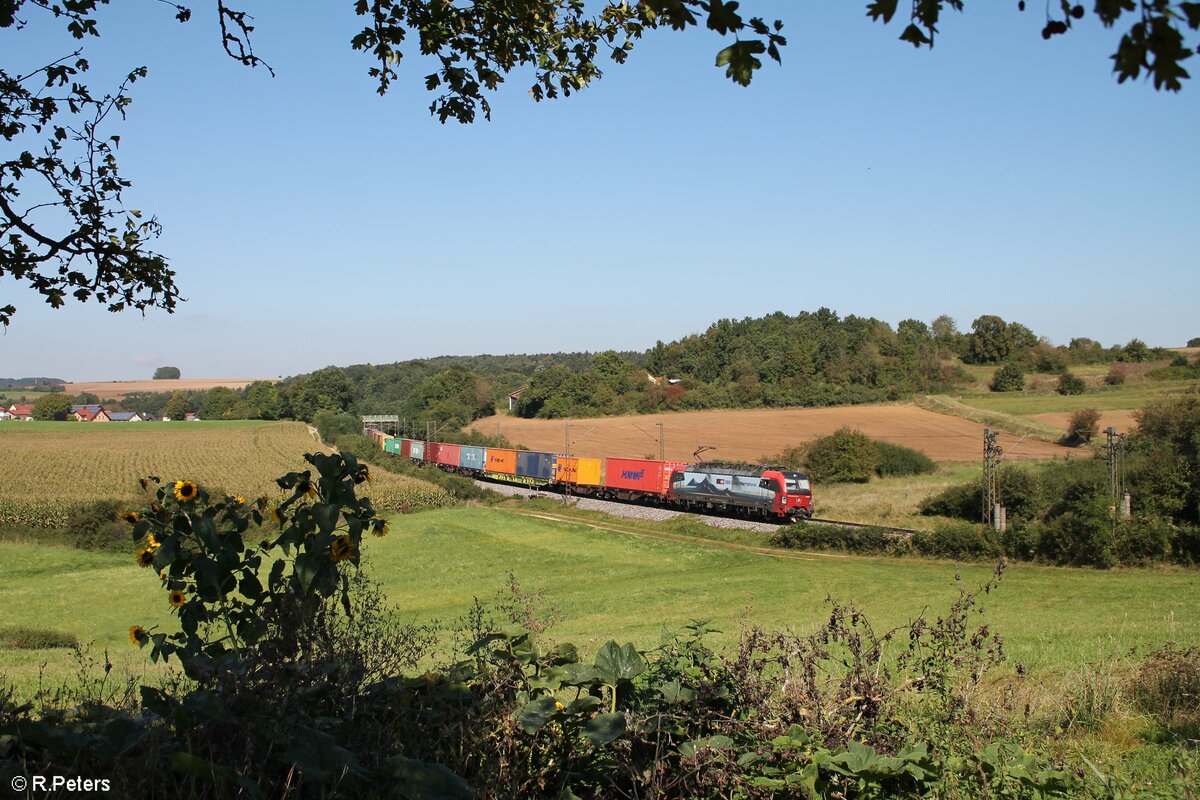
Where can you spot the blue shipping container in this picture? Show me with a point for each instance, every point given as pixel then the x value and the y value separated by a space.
pixel 418 451
pixel 472 457
pixel 535 465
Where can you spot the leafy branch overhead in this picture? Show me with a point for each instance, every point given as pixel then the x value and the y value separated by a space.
pixel 65 231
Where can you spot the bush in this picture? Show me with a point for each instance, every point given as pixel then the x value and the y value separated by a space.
pixel 1079 540
pixel 1143 541
pixel 845 456
pixel 1082 426
pixel 332 424
pixel 25 638
pixel 1069 383
pixel 1195 342
pixel 1185 546
pixel 1008 378
pixel 842 538
pixel 1021 494
pixel 897 461
pixel 1167 687
pixel 962 541
pixel 1115 376
pixel 97 526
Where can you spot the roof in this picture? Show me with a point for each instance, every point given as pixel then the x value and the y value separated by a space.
pixel 517 393
pixel 22 409
pixel 91 407
pixel 121 416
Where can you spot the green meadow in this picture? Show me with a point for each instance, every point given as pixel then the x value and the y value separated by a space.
pixel 605 584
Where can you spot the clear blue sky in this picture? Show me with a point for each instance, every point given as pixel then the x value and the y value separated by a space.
pixel 312 222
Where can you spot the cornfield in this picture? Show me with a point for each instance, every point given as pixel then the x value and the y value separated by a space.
pixel 47 470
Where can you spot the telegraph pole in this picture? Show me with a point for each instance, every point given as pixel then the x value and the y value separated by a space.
pixel 992 454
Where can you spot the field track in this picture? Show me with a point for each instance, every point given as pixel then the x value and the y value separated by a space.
pixel 753 434
pixel 115 390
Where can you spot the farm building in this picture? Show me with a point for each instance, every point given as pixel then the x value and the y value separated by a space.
pixel 21 411
pixel 124 416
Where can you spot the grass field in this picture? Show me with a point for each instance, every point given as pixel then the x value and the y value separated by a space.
pixel 606 584
pixel 63 462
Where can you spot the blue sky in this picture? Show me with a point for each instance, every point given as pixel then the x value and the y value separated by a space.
pixel 312 222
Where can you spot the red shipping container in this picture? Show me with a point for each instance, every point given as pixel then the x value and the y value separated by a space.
pixel 431 451
pixel 447 454
pixel 640 474
pixel 406 447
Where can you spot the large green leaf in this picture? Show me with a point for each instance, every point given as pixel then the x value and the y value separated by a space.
pixel 420 780
pixel 619 663
pixel 536 713
pixel 605 728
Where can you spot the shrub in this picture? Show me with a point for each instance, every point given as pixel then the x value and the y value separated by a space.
pixel 1185 546
pixel 845 456
pixel 1143 541
pixel 843 538
pixel 1167 687
pixel 1116 375
pixel 1008 378
pixel 958 540
pixel 1082 426
pixel 897 461
pixel 26 638
pixel 332 424
pixel 1069 383
pixel 1078 539
pixel 1021 494
pixel 1194 342
pixel 97 526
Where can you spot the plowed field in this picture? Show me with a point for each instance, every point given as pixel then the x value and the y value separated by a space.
pixel 753 434
pixel 115 390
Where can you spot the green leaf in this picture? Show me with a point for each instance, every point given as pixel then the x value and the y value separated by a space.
pixel 424 781
pixel 605 728
pixel 536 713
pixel 739 60
pixel 326 516
pixel 619 663
pixel 690 749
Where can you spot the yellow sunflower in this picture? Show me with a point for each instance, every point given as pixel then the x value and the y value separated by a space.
pixel 185 491
pixel 152 541
pixel 176 598
pixel 342 548
pixel 379 527
pixel 131 516
pixel 241 501
pixel 145 557
pixel 276 516
pixel 306 489
pixel 138 635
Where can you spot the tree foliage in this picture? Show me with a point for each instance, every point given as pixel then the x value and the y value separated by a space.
pixel 52 406
pixel 1008 378
pixel 167 373
pixel 844 456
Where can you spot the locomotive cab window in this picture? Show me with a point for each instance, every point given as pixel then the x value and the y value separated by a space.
pixel 798 483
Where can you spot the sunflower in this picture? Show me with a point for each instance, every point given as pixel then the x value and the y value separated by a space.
pixel 363 474
pixel 145 483
pixel 176 598
pixel 261 502
pixel 379 527
pixel 241 501
pixel 131 516
pixel 145 557
pixel 276 516
pixel 305 488
pixel 138 635
pixel 152 541
pixel 185 491
pixel 342 548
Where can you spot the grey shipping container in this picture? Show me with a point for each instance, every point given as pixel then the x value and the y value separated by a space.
pixel 535 465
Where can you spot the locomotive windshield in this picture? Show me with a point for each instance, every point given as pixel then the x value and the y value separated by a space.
pixel 797 483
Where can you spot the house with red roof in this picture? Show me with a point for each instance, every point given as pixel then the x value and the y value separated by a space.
pixel 21 411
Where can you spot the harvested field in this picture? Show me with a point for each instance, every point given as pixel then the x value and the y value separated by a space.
pixel 752 434
pixel 115 390
pixel 1121 419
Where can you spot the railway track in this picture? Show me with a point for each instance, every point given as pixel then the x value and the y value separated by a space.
pixel 654 512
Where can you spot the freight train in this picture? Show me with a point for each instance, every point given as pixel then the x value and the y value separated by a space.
pixel 769 492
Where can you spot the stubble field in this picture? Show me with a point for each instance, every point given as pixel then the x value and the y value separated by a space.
pixel 752 434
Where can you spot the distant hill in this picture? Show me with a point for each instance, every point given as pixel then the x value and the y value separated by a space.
pixel 28 383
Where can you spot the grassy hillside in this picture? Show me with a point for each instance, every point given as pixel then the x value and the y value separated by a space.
pixel 607 584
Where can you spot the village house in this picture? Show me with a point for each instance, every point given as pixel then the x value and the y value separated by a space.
pixel 23 411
